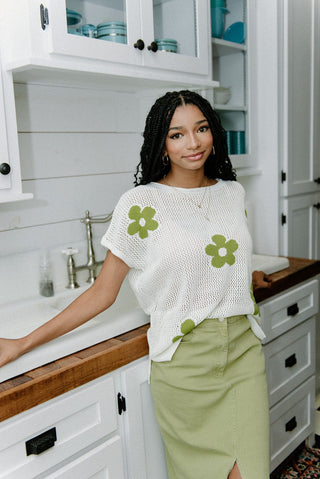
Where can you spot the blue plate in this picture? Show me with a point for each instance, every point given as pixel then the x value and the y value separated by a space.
pixel 73 18
pixel 235 33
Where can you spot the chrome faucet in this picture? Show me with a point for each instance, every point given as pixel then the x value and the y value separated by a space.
pixel 91 264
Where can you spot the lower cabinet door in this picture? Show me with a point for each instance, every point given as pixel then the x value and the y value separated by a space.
pixel 291 421
pixel 144 446
pixel 102 462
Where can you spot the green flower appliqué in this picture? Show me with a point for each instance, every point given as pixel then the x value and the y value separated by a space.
pixel 222 251
pixel 143 221
pixel 256 311
pixel 187 326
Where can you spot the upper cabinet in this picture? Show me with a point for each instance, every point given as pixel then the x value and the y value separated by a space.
pixel 10 178
pixel 233 66
pixel 5 168
pixel 143 39
pixel 300 93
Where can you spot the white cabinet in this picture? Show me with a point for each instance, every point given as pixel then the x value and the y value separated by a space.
pixel 300 90
pixel 102 462
pixel 300 232
pixel 10 177
pixel 233 65
pixel 288 320
pixel 143 442
pixel 299 121
pixel 50 43
pixel 74 435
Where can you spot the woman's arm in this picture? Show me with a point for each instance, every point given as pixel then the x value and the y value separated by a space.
pixel 100 296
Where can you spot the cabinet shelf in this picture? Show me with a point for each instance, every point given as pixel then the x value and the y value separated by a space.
pixel 223 47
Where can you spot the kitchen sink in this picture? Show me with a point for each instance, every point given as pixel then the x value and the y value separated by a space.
pixel 18 319
pixel 269 264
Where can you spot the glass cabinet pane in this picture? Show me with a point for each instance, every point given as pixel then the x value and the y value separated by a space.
pixel 104 20
pixel 175 26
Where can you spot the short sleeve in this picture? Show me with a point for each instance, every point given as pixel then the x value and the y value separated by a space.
pixel 129 230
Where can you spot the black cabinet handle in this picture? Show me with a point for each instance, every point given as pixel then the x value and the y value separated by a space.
pixel 139 44
pixel 291 361
pixel 5 168
pixel 317 180
pixel 153 47
pixel 293 309
pixel 41 443
pixel 317 205
pixel 292 424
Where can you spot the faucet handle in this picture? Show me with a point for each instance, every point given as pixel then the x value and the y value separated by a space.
pixel 70 251
pixel 88 220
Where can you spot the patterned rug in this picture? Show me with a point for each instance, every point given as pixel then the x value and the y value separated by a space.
pixel 304 463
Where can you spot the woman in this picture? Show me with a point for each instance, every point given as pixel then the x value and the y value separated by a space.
pixel 181 236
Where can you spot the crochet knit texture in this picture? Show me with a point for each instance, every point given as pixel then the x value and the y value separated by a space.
pixel 187 263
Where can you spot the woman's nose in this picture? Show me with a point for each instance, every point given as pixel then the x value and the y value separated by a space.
pixel 193 142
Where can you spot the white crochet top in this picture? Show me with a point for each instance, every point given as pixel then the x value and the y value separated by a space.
pixel 186 263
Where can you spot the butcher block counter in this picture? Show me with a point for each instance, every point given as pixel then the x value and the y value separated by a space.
pixel 49 381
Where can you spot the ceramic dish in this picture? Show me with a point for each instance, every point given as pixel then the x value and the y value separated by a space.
pixel 167 44
pixel 73 18
pixel 235 33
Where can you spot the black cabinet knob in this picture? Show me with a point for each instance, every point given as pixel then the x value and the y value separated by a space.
pixel 5 168
pixel 153 47
pixel 291 425
pixel 139 44
pixel 290 361
pixel 317 205
pixel 317 180
pixel 41 443
pixel 293 309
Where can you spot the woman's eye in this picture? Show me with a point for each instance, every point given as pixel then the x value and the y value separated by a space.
pixel 204 128
pixel 175 136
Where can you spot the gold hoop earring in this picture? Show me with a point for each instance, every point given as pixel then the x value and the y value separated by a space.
pixel 165 160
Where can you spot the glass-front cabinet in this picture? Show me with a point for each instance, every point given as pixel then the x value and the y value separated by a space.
pixel 232 28
pixel 171 35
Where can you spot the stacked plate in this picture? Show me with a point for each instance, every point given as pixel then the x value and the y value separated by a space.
pixel 112 32
pixel 167 45
pixel 74 22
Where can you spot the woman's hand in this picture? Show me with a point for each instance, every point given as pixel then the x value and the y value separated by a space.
pixel 261 280
pixel 10 349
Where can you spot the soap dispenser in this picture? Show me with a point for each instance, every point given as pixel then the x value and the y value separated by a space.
pixel 45 281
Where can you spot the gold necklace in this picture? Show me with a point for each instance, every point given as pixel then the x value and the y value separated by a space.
pixel 198 205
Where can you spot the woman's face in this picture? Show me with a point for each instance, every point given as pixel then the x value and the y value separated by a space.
pixel 189 140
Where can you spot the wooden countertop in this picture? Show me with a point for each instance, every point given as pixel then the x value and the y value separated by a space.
pixel 39 385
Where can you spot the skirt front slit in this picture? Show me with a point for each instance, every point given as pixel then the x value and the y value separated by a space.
pixel 211 403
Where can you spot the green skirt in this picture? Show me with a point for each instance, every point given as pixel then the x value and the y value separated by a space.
pixel 211 403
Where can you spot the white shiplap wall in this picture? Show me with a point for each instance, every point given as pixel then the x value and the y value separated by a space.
pixel 79 149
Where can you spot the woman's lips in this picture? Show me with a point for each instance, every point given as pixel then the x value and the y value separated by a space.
pixel 195 156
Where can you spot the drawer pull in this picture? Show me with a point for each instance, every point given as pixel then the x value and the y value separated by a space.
pixel 292 424
pixel 293 309
pixel 291 361
pixel 41 443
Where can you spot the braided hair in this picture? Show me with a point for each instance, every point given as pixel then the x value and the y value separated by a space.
pixel 152 167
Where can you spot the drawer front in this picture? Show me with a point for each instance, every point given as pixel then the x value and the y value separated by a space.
pixel 291 421
pixel 287 310
pixel 77 419
pixel 102 462
pixel 290 360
